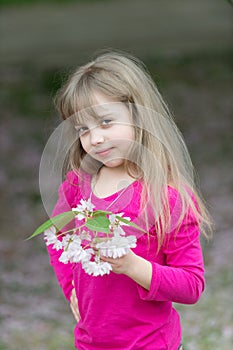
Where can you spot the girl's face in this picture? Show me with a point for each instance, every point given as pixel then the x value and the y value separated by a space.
pixel 107 138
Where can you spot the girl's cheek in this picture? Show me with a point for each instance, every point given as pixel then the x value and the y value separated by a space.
pixel 84 144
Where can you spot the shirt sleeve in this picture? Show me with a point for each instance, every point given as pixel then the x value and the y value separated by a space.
pixel 181 278
pixel 63 271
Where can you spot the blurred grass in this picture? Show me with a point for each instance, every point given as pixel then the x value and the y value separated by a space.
pixel 52 339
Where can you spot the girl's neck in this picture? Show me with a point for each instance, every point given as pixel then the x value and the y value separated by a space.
pixel 110 180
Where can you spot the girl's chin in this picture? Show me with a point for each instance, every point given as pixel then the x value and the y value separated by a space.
pixel 113 163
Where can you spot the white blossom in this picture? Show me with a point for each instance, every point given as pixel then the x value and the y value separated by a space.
pixel 58 245
pixel 77 254
pixel 118 231
pixel 90 253
pixel 115 224
pixel 76 250
pixel 97 268
pixel 84 209
pixel 50 235
pixel 132 241
pixel 66 240
pixel 85 235
pixel 114 221
pixel 117 246
pixel 64 258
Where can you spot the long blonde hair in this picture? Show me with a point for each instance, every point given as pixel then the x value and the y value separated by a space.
pixel 125 79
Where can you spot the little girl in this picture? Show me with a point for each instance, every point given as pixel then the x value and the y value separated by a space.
pixel 130 158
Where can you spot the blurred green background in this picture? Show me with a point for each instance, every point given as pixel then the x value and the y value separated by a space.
pixel 187 47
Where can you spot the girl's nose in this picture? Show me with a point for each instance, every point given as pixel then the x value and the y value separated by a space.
pixel 96 136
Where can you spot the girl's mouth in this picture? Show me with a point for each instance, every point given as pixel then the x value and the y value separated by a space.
pixel 104 152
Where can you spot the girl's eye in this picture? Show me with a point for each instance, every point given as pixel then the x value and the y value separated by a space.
pixel 106 122
pixel 82 131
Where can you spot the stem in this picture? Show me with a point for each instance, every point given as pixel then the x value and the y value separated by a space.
pixel 71 230
pixel 87 245
pixel 98 257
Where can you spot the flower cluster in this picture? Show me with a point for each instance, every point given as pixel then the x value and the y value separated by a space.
pixel 84 244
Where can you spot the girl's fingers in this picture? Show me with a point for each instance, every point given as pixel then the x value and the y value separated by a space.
pixel 74 305
pixel 75 313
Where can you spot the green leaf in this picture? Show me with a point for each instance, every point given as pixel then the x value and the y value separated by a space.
pixel 63 219
pixel 59 221
pixel 101 212
pixel 129 223
pixel 98 223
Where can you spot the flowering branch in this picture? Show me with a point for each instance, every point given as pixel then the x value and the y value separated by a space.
pixel 78 243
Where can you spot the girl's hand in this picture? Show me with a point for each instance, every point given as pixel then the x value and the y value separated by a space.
pixel 122 265
pixel 134 266
pixel 74 305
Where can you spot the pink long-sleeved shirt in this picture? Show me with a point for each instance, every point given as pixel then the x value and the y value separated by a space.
pixel 117 313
